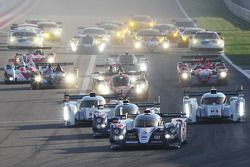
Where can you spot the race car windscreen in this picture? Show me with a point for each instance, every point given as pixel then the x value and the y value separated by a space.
pixel 47 25
pixel 184 24
pixel 126 59
pixel 146 121
pixel 190 32
pixel 149 33
pixel 120 81
pixel 142 19
pixel 24 34
pixel 125 109
pixel 206 35
pixel 91 103
pixel 163 28
pixel 110 27
pixel 213 100
pixel 94 31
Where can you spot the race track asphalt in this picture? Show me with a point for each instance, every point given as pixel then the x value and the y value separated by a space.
pixel 31 133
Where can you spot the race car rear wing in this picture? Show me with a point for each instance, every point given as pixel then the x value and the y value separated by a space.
pixel 28 48
pixel 68 97
pixel 208 56
pixel 194 61
pixel 172 115
pixel 226 92
pixel 55 64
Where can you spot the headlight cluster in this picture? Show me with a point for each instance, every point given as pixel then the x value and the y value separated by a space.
pixel 118 135
pixel 73 46
pixel 184 75
pixel 195 41
pixel 51 60
pixel 241 108
pixel 70 78
pixel 140 88
pixel 103 88
pixel 223 74
pixel 38 78
pixel 102 47
pixel 36 40
pixel 46 35
pixel 12 39
pixel 131 24
pixel 143 67
pixel 220 42
pixel 165 45
pixel 137 45
pixel 57 32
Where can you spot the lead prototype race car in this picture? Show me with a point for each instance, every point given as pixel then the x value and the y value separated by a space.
pixel 122 111
pixel 52 75
pixel 214 105
pixel 202 70
pixel 149 130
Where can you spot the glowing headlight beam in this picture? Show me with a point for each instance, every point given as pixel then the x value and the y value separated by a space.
pixel 38 78
pixel 223 74
pixel 137 45
pixel 241 109
pixel 143 67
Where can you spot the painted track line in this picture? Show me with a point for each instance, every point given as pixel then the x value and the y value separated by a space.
pixel 223 55
pixel 89 71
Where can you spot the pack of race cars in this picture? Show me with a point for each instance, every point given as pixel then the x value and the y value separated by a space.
pixel 118 105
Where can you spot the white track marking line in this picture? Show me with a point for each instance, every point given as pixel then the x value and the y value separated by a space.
pixel 89 71
pixel 33 121
pixel 223 55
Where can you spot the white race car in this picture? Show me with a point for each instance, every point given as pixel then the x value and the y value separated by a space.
pixel 76 112
pixel 214 106
pixel 207 41
pixel 186 36
pixel 23 37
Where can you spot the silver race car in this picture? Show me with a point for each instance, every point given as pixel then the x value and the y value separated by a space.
pixel 148 129
pixel 151 40
pixel 214 105
pixel 207 41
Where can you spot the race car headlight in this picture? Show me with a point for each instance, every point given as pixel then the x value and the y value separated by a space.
pixel 118 34
pixel 73 46
pixel 151 24
pixel 70 78
pixel 57 32
pixel 106 39
pixel 165 45
pixel 133 79
pixel 131 24
pixel 241 109
pixel 161 39
pixel 12 39
pixel 51 60
pixel 220 42
pixel 184 76
pixel 46 35
pixel 140 88
pixel 103 88
pixel 100 78
pixel 143 67
pixel 175 34
pixel 184 38
pixel 100 126
pixel 195 41
pixel 168 136
pixel 137 45
pixel 11 78
pixel 66 113
pixel 101 48
pixel 36 40
pixel 223 74
pixel 38 78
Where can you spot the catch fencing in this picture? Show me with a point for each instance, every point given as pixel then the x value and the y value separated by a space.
pixel 238 10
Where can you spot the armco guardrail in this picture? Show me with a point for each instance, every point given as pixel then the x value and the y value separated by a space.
pixel 238 10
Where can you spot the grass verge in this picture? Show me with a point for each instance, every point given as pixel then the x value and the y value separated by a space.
pixel 214 15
